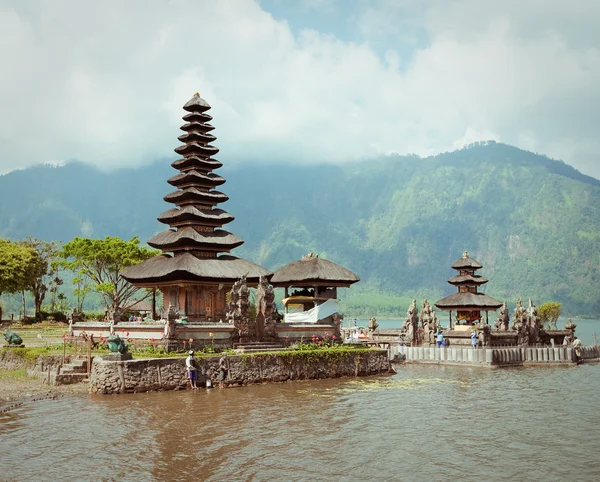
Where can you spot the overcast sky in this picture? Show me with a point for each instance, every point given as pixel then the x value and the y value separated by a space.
pixel 319 80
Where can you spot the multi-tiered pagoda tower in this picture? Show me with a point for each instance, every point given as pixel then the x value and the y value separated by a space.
pixel 468 302
pixel 193 277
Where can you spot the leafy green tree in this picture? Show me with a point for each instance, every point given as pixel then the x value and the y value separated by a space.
pixel 19 266
pixel 82 288
pixel 549 313
pixel 54 294
pixel 101 261
pixel 45 276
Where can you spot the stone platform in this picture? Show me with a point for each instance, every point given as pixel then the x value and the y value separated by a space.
pixel 493 357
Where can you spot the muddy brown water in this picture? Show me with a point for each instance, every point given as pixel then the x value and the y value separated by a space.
pixel 424 423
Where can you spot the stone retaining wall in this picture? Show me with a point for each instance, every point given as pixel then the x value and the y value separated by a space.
pixel 515 356
pixel 109 377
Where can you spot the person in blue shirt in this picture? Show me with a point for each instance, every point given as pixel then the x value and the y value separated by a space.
pixel 440 339
pixel 474 339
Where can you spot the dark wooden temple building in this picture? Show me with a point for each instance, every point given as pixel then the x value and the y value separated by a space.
pixel 311 285
pixel 468 302
pixel 195 270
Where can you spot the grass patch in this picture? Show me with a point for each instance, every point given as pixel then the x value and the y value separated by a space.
pixel 14 375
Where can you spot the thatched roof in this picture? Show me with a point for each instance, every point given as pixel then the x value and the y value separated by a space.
pixel 194 136
pixel 311 271
pixel 196 104
pixel 467 280
pixel 165 269
pixel 196 162
pixel 196 178
pixel 188 237
pixel 188 214
pixel 466 262
pixel 136 305
pixel 196 195
pixel 195 149
pixel 197 117
pixel 468 301
pixel 197 126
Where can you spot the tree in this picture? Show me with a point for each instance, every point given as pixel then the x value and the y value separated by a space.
pixel 101 261
pixel 19 266
pixel 45 276
pixel 549 313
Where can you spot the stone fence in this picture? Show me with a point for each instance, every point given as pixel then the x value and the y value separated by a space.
pixel 515 356
pixel 109 377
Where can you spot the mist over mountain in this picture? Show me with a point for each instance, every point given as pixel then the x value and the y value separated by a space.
pixel 397 221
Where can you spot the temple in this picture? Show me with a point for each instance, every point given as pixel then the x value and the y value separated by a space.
pixel 314 282
pixel 193 273
pixel 468 302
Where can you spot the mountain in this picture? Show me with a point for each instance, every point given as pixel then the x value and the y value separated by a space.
pixel 397 221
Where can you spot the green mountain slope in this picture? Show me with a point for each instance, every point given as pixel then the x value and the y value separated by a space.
pixel 397 221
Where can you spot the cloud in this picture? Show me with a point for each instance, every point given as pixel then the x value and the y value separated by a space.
pixel 104 82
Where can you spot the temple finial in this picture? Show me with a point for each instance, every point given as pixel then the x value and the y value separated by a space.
pixel 196 94
pixel 466 254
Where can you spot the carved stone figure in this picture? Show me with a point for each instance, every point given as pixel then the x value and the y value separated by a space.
pixel 409 331
pixel 238 309
pixel 484 333
pixel 266 310
pixel 503 319
pixel 429 322
pixel 12 338
pixel 116 344
pixel 534 323
pixel 570 327
pixel 373 325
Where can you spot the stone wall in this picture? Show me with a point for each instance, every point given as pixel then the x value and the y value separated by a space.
pixel 515 356
pixel 108 377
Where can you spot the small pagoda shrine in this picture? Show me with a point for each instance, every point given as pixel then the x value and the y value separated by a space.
pixel 191 273
pixel 468 302
pixel 314 282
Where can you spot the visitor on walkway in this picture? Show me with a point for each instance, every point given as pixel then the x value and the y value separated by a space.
pixel 222 371
pixel 474 339
pixel 440 339
pixel 190 364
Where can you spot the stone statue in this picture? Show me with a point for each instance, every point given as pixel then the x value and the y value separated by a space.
pixel 483 333
pixel 409 331
pixel 12 338
pixel 238 309
pixel 116 344
pixel 429 322
pixel 373 325
pixel 503 319
pixel 520 324
pixel 534 323
pixel 266 309
pixel 570 327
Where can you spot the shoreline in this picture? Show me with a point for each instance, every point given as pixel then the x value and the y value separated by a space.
pixel 16 392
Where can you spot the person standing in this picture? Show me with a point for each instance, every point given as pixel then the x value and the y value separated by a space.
pixel 440 339
pixel 222 371
pixel 190 364
pixel 474 339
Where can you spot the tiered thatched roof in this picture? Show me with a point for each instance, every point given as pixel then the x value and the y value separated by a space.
pixel 468 300
pixel 195 237
pixel 313 271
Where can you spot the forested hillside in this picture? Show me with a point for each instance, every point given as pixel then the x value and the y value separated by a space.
pixel 397 221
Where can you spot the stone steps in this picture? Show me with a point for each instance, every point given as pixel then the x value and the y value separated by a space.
pixel 70 378
pixel 73 372
pixel 256 346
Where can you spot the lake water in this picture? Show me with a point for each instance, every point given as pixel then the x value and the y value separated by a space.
pixel 424 423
